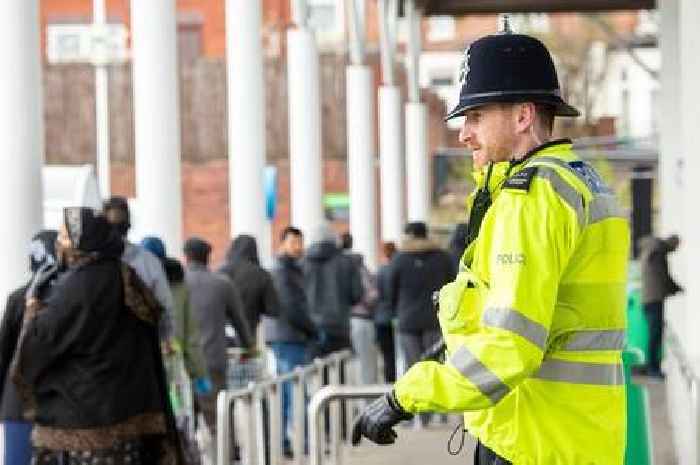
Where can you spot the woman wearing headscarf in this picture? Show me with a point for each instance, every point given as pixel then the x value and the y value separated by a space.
pixel 88 363
pixel 16 430
pixel 254 283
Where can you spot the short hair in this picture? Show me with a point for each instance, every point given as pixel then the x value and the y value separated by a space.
pixel 346 241
pixel 545 116
pixel 417 229
pixel 197 249
pixel 290 231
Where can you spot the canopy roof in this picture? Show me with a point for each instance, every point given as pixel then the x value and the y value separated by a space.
pixel 463 7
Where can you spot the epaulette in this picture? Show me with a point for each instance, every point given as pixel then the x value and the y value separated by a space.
pixel 521 180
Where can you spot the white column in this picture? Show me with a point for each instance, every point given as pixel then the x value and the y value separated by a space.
pixel 417 169
pixel 671 145
pixel 690 120
pixel 21 136
pixel 361 166
pixel 157 120
pixel 391 163
pixel 246 121
pixel 99 19
pixel 305 163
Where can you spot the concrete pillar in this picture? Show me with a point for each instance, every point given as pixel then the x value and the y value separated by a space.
pixel 305 161
pixel 391 161
pixel 417 169
pixel 671 145
pixel 99 19
pixel 361 165
pixel 689 117
pixel 157 120
pixel 21 136
pixel 246 122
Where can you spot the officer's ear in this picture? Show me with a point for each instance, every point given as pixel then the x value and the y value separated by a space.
pixel 525 117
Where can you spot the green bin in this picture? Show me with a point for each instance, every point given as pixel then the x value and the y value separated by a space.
pixel 638 448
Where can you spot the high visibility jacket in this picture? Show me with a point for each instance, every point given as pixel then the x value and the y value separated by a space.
pixel 534 322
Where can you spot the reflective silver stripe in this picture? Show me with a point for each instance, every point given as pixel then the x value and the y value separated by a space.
pixel 612 339
pixel 604 206
pixel 484 379
pixel 515 322
pixel 565 190
pixel 562 163
pixel 581 372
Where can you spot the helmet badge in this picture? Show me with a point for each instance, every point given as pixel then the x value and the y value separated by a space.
pixel 464 67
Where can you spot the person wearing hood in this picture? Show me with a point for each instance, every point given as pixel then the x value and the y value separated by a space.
pixel 148 267
pixel 333 285
pixel 657 285
pixel 187 338
pixel 16 430
pixel 254 283
pixel 88 364
pixel 418 269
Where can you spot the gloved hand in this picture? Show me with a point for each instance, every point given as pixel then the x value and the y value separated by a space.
pixel 202 386
pixel 377 421
pixel 42 276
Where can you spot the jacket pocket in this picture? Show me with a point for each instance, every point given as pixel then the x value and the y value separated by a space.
pixel 461 305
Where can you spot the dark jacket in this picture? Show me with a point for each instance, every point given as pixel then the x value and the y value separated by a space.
pixel 333 286
pixel 293 323
pixel 417 270
pixel 89 360
pixel 10 402
pixel 254 283
pixel 657 283
pixel 214 300
pixel 384 311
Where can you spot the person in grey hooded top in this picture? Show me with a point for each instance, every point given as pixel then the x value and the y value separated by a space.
pixel 333 285
pixel 254 283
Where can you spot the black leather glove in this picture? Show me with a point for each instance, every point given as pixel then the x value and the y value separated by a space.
pixel 42 276
pixel 377 421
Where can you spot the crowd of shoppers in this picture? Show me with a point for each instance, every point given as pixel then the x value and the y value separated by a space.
pixel 83 344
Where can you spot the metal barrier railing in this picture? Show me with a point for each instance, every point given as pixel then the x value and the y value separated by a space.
pixel 692 381
pixel 318 404
pixel 256 445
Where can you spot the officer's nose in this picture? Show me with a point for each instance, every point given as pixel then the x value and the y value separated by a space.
pixel 464 133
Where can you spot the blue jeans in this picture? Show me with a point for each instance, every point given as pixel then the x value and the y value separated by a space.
pixel 289 355
pixel 18 450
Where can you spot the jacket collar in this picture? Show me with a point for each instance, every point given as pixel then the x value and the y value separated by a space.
pixel 411 244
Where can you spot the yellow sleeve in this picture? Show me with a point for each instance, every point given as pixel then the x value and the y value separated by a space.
pixel 523 248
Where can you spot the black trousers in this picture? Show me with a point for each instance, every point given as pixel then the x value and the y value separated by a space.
pixel 385 339
pixel 655 319
pixel 485 456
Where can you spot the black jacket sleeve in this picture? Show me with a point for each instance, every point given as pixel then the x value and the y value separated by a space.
pixel 9 332
pixel 271 304
pixel 234 312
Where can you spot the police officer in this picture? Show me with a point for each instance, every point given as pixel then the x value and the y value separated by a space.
pixel 534 322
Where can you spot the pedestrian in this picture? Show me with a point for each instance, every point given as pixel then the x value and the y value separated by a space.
pixel 417 270
pixel 148 267
pixel 254 283
pixel 88 364
pixel 215 301
pixel 186 331
pixel 385 313
pixel 657 285
pixel 16 429
pixel 534 323
pixel 363 334
pixel 290 333
pixel 332 286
